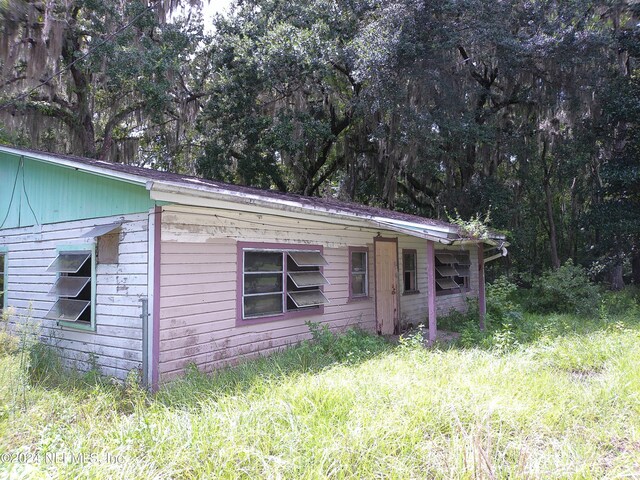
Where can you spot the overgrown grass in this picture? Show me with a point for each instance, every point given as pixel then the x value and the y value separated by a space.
pixel 563 401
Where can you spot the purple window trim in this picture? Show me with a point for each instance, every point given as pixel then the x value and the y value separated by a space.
pixel 282 247
pixel 366 296
pixel 415 271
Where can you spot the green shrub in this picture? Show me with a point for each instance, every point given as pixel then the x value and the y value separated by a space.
pixel 456 321
pixel 471 335
pixel 620 303
pixel 8 342
pixel 501 307
pixel 353 344
pixel 565 290
pixel 44 363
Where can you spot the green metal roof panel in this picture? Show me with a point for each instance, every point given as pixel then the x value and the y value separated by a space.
pixel 39 192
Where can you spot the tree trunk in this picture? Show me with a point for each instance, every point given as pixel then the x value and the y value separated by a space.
pixel 635 267
pixel 84 130
pixel 553 242
pixel 617 282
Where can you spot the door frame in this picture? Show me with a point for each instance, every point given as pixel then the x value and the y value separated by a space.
pixel 396 320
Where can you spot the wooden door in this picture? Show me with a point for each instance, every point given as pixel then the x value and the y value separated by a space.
pixel 386 257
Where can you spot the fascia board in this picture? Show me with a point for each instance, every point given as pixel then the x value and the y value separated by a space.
pixel 103 172
pixel 225 203
pixel 179 194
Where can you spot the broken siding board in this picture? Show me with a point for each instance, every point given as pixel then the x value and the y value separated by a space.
pixel 136 290
pixel 203 227
pixel 122 269
pixel 48 238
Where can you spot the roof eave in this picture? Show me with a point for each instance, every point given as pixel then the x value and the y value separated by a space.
pixel 160 189
pixel 81 167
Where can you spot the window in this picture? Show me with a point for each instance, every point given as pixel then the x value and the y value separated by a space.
pixel 74 287
pixel 276 282
pixel 452 272
pixel 3 278
pixel 358 273
pixel 409 271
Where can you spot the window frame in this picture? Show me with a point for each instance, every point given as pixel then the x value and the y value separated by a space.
pixel 414 252
pixel 4 252
pixel 467 279
pixel 82 247
pixel 366 295
pixel 274 247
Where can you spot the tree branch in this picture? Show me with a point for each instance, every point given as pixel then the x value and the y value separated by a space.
pixel 111 124
pixel 48 109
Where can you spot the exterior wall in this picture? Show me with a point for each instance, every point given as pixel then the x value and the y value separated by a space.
pixel 413 306
pixel 446 303
pixel 117 341
pixel 198 285
pixel 57 194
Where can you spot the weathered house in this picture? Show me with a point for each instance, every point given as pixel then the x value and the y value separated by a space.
pixel 131 268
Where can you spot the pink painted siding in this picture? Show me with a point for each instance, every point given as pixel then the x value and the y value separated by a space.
pixel 198 288
pixel 198 285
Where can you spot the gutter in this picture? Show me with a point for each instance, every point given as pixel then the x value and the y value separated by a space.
pixel 503 252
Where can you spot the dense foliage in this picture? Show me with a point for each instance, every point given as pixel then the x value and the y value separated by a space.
pixel 528 109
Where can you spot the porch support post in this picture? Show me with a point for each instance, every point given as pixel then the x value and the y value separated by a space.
pixel 431 291
pixel 482 303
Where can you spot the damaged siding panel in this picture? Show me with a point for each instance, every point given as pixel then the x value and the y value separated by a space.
pixel 199 225
pixel 117 341
pixel 198 285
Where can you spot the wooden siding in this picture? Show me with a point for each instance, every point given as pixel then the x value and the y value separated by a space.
pixel 198 285
pixel 413 307
pixel 117 342
pixel 56 193
pixel 458 301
